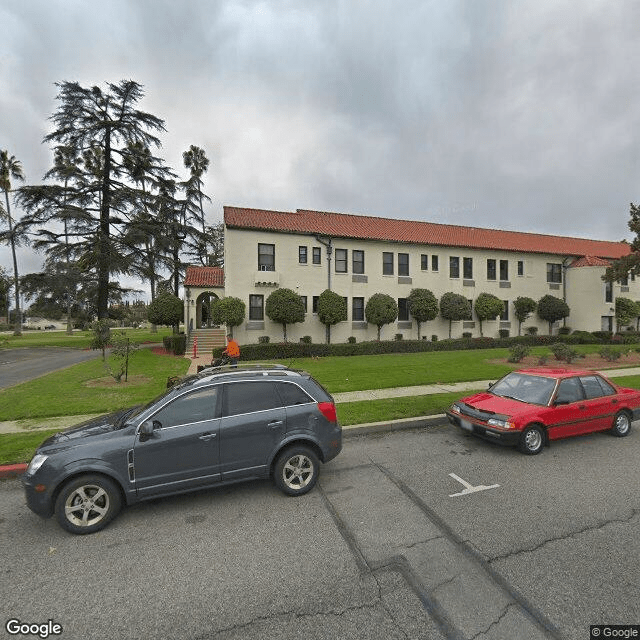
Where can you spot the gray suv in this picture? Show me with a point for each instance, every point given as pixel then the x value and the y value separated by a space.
pixel 220 426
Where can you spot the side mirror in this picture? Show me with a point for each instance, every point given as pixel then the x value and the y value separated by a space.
pixel 148 427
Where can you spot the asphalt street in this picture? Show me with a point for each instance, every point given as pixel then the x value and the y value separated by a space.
pixel 428 533
pixel 20 365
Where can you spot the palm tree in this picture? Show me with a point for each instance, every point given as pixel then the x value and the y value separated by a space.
pixel 197 162
pixel 10 168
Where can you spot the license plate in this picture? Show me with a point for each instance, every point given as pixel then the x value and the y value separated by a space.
pixel 466 425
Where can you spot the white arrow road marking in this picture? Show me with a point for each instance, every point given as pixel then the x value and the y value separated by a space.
pixel 469 488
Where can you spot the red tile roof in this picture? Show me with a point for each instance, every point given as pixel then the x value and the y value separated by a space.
pixel 340 225
pixel 204 277
pixel 590 261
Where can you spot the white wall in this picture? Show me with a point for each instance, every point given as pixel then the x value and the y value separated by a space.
pixel 585 290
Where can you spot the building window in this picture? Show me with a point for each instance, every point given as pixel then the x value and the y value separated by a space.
pixel 520 267
pixel 491 269
pixel 454 267
pixel 346 306
pixel 403 264
pixel 504 269
pixel 304 302
pixel 624 281
pixel 424 262
pixel 505 311
pixel 314 304
pixel 266 257
pixel 554 272
pixel 256 307
pixel 316 255
pixel 434 263
pixel 387 263
pixel 302 255
pixel 357 309
pixel 341 260
pixel 608 292
pixel 467 268
pixel 403 310
pixel 357 258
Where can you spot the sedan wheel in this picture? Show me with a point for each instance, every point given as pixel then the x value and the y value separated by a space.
pixel 532 440
pixel 296 470
pixel 87 504
pixel 621 424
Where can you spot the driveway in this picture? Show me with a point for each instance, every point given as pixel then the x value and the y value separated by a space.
pixel 20 365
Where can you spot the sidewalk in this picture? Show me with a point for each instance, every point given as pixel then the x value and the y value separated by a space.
pixel 23 426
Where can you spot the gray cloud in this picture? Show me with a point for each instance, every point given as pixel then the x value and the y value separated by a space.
pixel 499 114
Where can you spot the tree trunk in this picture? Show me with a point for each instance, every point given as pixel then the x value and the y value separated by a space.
pixel 103 233
pixel 18 326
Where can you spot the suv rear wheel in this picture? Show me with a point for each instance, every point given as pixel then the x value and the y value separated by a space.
pixel 296 470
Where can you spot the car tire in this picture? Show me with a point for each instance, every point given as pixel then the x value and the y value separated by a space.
pixel 87 504
pixel 296 470
pixel 621 424
pixel 531 440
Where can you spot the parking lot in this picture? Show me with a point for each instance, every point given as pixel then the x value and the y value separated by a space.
pixel 426 533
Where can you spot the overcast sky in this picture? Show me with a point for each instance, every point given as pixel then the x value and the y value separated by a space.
pixel 520 115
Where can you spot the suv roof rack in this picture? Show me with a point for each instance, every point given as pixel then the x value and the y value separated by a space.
pixel 256 368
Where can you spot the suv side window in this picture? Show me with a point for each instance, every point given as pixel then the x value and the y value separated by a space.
pixel 249 397
pixel 292 394
pixel 195 406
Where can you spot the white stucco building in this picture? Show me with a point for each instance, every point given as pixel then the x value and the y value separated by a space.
pixel 357 256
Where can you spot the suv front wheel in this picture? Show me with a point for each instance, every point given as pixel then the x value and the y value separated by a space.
pixel 87 504
pixel 296 470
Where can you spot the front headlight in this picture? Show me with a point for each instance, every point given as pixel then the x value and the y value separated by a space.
pixel 36 462
pixel 455 408
pixel 503 424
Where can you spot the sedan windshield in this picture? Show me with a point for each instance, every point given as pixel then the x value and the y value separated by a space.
pixel 525 388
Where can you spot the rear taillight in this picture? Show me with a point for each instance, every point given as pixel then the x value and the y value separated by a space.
pixel 328 410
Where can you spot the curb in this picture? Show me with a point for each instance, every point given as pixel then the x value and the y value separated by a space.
pixel 350 431
pixel 12 470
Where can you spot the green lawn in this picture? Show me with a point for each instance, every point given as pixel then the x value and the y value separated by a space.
pixel 77 340
pixel 358 373
pixel 87 388
pixel 367 411
pixel 16 448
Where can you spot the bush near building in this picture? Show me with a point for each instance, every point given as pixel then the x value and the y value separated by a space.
pixel 288 350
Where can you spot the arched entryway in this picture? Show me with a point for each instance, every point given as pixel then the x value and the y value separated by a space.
pixel 203 310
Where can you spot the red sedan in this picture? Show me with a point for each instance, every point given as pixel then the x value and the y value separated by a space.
pixel 531 407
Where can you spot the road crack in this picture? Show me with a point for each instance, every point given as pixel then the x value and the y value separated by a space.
pixel 568 536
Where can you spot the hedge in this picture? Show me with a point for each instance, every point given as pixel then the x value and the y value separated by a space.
pixel 177 343
pixel 288 350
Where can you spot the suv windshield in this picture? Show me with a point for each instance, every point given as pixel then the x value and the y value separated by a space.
pixel 525 388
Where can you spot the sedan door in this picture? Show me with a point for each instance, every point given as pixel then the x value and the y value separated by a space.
pixel 568 412
pixel 184 450
pixel 253 424
pixel 601 403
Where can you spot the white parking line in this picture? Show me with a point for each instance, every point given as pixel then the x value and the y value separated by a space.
pixel 469 488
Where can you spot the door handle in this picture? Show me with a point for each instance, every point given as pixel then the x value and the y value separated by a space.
pixel 275 423
pixel 614 401
pixel 207 436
